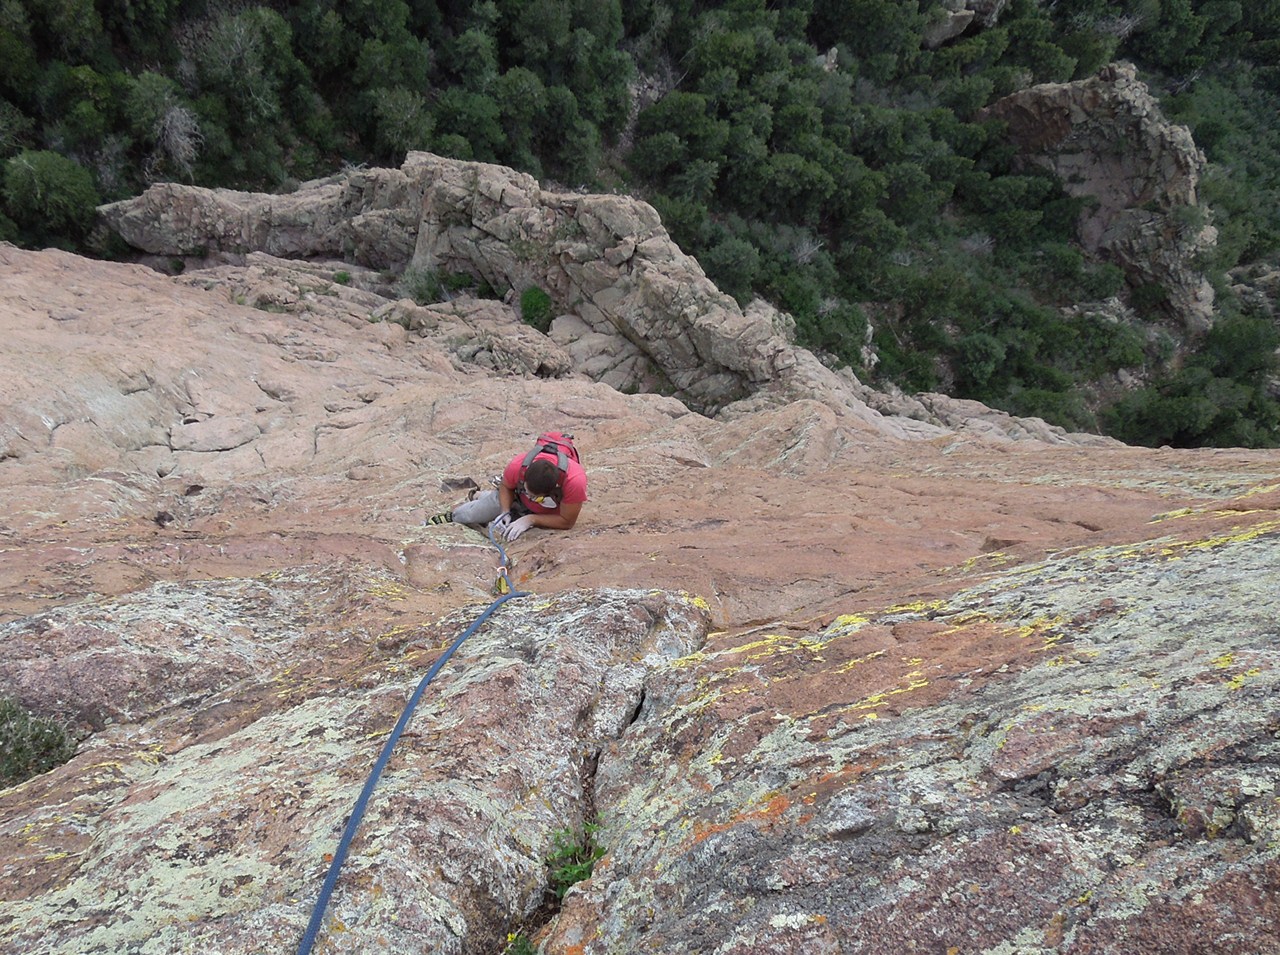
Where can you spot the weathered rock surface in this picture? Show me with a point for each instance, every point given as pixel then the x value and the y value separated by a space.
pixel 635 312
pixel 824 688
pixel 1106 139
pixel 1002 767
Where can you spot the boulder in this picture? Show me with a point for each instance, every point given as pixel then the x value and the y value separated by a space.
pixel 1107 140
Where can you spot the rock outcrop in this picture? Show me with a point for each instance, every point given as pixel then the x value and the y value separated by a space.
pixel 1106 139
pixel 952 17
pixel 634 311
pixel 644 316
pixel 822 689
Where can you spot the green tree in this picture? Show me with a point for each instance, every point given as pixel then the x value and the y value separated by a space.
pixel 1033 46
pixel 143 24
pixel 568 142
pixel 799 186
pixel 164 124
pixel 474 117
pixel 913 196
pixel 15 129
pixel 1172 39
pixel 688 117
pixel 50 198
pixel 733 264
pixel 522 101
pixel 473 59
pixel 883 35
pixel 70 29
pixel 658 153
pixel 18 62
pixel 403 122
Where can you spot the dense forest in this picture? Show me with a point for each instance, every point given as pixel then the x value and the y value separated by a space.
pixel 814 152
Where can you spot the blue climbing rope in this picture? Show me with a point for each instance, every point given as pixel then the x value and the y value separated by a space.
pixel 357 812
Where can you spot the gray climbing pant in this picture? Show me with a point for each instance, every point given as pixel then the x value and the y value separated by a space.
pixel 482 510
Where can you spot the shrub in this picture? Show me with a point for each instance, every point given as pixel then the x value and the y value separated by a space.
pixel 1149 297
pixel 421 285
pixel 29 744
pixel 1241 347
pixel 1064 408
pixel 836 327
pixel 402 121
pixel 732 264
pixel 571 861
pixel 536 308
pixel 980 355
pixel 51 198
pixel 1101 281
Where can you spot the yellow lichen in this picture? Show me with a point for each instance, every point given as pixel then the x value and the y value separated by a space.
pixel 1261 489
pixel 1238 536
pixel 153 755
pixel 850 664
pixel 846 624
pixel 994 557
pixel 689 659
pixel 920 606
pixel 776 643
pixel 1237 681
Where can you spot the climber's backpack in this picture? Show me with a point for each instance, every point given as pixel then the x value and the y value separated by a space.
pixel 557 443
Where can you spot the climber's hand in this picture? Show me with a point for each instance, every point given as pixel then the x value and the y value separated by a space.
pixel 516 528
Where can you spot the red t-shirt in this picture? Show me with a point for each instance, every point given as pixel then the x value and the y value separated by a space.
pixel 574 490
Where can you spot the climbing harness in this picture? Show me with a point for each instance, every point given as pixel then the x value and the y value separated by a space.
pixel 357 812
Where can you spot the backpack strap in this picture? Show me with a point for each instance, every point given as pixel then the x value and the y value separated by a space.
pixel 549 445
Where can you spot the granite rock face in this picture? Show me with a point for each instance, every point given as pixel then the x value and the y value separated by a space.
pixel 824 687
pixel 213 807
pixel 1077 755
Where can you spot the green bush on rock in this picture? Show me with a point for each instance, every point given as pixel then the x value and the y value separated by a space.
pixel 29 744
pixel 536 308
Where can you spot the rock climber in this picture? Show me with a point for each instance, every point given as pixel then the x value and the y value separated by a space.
pixel 544 488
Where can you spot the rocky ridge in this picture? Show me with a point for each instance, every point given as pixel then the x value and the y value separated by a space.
pixel 634 311
pixel 827 681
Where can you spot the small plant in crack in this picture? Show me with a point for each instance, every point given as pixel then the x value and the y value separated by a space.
pixel 572 858
pixel 518 944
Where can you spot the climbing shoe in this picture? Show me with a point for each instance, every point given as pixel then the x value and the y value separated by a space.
pixel 444 517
